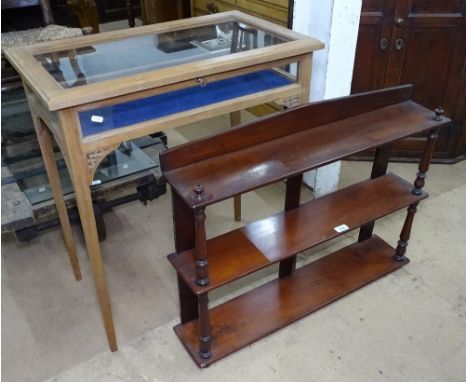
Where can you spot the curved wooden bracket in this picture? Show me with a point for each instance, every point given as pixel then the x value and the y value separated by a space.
pixel 95 158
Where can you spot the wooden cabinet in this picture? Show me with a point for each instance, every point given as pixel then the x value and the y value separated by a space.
pixel 280 148
pixel 421 42
pixel 113 10
pixel 276 11
pixel 158 11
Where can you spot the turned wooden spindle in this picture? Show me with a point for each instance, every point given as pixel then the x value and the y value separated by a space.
pixel 201 261
pixel 427 155
pixel 204 330
pixel 417 190
pixel 425 162
pixel 198 192
pixel 405 234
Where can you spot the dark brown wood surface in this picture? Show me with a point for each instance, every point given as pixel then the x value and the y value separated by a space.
pixel 184 239
pixel 292 201
pixel 260 164
pixel 112 10
pixel 281 124
pixel 432 58
pixel 264 242
pixel 251 316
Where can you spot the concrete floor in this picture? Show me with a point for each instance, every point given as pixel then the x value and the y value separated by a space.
pixel 408 326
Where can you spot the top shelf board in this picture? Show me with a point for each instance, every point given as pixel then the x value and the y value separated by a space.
pixel 255 154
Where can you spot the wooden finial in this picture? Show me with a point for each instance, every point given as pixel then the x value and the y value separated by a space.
pixel 199 190
pixel 438 113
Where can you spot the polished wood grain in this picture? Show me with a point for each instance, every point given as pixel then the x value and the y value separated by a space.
pixel 291 201
pixel 283 147
pixel 249 317
pixel 184 239
pixel 285 123
pixel 265 163
pixel 267 241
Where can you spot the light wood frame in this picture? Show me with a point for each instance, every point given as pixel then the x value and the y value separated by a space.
pixel 55 113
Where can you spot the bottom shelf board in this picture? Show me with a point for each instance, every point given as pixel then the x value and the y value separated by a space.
pixel 255 314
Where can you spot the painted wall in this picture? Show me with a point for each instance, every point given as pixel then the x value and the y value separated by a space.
pixel 336 23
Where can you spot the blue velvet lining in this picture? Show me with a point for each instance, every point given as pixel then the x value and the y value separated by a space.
pixel 129 113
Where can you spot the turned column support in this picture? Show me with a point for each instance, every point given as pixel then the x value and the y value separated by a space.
pixel 427 155
pixel 405 234
pixel 425 163
pixel 204 330
pixel 201 254
pixel 417 189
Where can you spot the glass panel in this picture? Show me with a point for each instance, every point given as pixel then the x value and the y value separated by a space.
pixel 17 126
pixel 128 113
pixel 31 177
pixel 120 58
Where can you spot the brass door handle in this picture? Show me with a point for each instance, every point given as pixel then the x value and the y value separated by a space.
pixel 399 21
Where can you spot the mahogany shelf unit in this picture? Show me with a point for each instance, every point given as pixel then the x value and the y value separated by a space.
pixel 282 147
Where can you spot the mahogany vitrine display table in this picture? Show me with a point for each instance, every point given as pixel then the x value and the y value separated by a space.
pixel 278 148
pixel 92 93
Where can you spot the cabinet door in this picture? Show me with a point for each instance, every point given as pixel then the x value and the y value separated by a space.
pixel 276 11
pixel 373 45
pixel 427 49
pixel 433 58
pixel 111 10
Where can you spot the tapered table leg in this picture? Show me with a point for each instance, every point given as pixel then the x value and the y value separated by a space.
pixel 88 221
pixel 80 175
pixel 44 138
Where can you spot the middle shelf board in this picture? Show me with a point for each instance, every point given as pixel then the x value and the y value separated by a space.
pixel 264 242
pixel 255 314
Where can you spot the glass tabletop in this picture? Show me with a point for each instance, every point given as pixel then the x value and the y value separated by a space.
pixel 31 177
pixel 119 58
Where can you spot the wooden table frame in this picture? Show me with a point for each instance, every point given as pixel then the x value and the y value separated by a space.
pixel 55 113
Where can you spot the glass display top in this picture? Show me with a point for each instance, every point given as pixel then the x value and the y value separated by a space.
pixel 120 58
